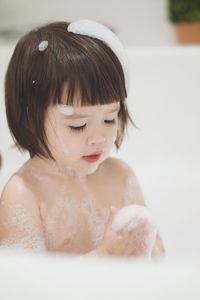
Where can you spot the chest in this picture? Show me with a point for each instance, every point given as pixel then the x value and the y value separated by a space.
pixel 74 217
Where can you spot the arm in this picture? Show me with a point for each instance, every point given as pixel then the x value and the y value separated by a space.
pixel 20 222
pixel 134 196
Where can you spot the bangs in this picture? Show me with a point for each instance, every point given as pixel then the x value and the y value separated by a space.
pixel 87 75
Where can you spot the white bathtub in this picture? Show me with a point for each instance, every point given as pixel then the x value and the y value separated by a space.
pixel 52 277
pixel 165 154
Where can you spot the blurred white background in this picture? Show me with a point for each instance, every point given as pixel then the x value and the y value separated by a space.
pixel 142 23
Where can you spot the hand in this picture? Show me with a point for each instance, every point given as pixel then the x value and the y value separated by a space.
pixel 131 241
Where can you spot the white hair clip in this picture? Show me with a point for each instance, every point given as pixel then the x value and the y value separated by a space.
pixel 43 46
pixel 101 32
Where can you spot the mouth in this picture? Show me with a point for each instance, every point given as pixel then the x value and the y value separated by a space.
pixel 92 157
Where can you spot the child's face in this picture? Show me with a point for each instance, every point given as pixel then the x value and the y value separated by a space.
pixel 81 131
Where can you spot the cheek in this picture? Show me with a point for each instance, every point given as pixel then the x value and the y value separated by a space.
pixel 56 136
pixel 113 138
pixel 70 143
pixel 113 133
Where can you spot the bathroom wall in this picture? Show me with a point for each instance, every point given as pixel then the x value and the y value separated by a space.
pixel 139 23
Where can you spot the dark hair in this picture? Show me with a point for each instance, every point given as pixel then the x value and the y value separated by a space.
pixel 34 80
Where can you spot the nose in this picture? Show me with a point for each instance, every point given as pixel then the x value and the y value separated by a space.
pixel 96 138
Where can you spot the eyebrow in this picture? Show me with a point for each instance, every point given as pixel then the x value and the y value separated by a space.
pixel 79 116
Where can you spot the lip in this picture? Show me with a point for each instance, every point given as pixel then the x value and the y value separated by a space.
pixel 92 157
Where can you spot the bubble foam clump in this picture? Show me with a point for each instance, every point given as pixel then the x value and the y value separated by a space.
pixel 131 216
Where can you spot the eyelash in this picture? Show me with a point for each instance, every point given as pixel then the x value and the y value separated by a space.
pixel 81 128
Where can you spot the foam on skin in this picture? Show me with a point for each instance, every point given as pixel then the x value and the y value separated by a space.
pixel 65 109
pixel 28 236
pixel 130 217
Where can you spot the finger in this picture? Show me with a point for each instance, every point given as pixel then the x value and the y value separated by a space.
pixel 113 211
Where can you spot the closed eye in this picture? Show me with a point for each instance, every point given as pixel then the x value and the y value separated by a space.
pixel 110 121
pixel 79 128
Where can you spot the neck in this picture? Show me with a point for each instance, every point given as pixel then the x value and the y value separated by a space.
pixel 52 167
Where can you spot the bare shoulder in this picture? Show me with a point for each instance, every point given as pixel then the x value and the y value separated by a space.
pixel 20 220
pixel 125 174
pixel 16 185
pixel 119 167
pixel 16 191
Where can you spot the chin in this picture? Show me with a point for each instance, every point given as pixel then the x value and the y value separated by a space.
pixel 90 170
